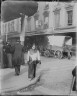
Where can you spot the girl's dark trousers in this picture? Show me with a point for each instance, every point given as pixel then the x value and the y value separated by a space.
pixel 17 65
pixel 32 69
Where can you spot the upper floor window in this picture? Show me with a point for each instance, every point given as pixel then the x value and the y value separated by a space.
pixel 69 10
pixel 70 15
pixel 12 26
pixel 36 19
pixel 36 23
pixel 46 5
pixel 57 18
pixel 29 23
pixel 46 21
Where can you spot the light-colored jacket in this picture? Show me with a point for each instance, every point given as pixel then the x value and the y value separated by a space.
pixel 34 56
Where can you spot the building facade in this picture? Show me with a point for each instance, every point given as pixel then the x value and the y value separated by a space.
pixel 11 29
pixel 54 18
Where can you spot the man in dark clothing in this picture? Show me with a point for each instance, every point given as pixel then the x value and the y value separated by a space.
pixel 74 75
pixel 5 60
pixel 17 57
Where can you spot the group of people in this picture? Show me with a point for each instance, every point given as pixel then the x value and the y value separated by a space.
pixel 15 55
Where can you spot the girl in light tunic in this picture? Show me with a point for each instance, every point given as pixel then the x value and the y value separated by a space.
pixel 33 58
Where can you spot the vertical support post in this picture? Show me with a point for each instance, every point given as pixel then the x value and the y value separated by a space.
pixel 23 24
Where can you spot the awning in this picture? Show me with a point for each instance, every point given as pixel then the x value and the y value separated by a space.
pixel 11 9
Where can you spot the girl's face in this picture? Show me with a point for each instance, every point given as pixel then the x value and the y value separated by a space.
pixel 33 47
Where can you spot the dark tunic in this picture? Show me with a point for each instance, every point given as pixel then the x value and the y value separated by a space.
pixel 5 59
pixel 17 56
pixel 74 75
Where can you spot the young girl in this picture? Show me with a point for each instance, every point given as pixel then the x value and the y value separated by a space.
pixel 33 58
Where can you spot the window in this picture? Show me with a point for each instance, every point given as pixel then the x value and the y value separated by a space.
pixel 9 28
pixel 29 23
pixel 46 5
pixel 57 18
pixel 70 14
pixel 46 20
pixel 36 23
pixel 36 20
pixel 12 26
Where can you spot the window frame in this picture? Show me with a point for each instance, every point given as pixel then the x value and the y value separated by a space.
pixel 46 5
pixel 69 7
pixel 36 26
pixel 29 23
pixel 46 23
pixel 57 19
pixel 69 22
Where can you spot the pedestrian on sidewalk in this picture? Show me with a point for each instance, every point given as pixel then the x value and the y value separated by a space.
pixel 74 77
pixel 33 58
pixel 9 55
pixel 5 59
pixel 17 57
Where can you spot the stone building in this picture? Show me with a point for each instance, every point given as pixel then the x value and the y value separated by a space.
pixel 55 18
pixel 51 18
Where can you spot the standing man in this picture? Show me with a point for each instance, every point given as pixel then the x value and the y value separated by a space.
pixel 17 57
pixel 74 77
pixel 5 59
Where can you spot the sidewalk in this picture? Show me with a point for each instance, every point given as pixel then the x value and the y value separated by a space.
pixel 56 76
pixel 10 82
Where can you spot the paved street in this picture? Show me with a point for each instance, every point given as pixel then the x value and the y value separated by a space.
pixel 55 78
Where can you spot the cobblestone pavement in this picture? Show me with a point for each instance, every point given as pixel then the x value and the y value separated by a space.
pixel 56 78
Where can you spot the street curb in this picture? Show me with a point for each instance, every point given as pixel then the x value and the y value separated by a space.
pixel 17 89
pixel 32 82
